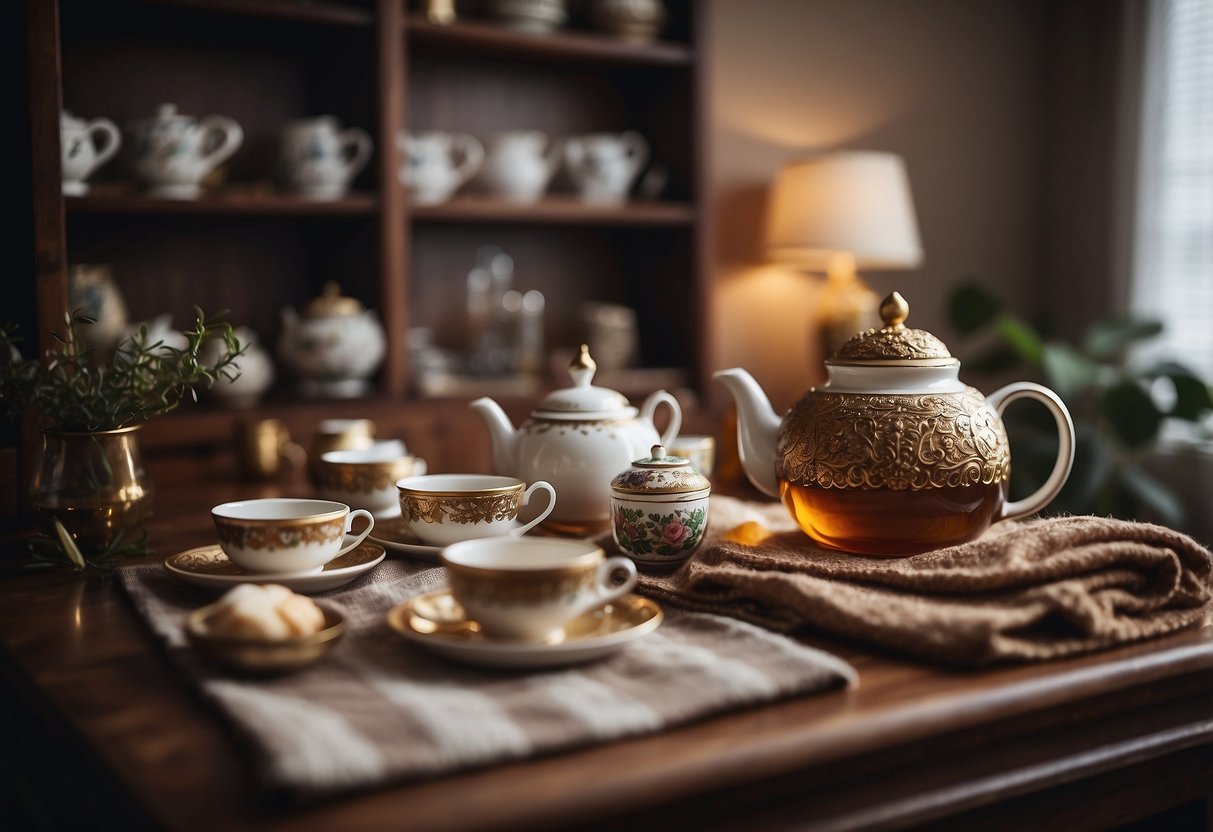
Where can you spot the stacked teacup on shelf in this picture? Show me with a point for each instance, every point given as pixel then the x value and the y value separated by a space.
pixel 519 165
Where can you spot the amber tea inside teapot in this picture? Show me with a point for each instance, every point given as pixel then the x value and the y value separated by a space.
pixel 893 455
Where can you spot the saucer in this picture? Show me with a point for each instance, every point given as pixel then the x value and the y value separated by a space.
pixel 393 533
pixel 260 656
pixel 435 621
pixel 209 566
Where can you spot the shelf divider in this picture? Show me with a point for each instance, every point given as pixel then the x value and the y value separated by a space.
pixel 484 36
pixel 225 203
pixel 555 210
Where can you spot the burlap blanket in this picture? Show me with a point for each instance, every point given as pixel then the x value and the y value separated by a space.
pixel 1035 590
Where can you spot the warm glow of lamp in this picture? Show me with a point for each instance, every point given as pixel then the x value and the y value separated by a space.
pixel 835 213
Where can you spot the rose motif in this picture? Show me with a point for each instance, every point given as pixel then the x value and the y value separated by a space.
pixel 674 533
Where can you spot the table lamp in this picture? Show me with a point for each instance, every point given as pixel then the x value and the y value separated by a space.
pixel 836 212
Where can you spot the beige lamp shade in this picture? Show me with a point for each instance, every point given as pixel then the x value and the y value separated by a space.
pixel 855 202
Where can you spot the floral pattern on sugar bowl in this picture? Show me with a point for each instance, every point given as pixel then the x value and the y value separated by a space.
pixel 334 347
pixel 659 509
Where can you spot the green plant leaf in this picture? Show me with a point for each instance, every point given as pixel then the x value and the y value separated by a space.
pixel 1193 398
pixel 1021 338
pixel 1069 372
pixel 1106 338
pixel 1153 494
pixel 1131 414
pixel 971 307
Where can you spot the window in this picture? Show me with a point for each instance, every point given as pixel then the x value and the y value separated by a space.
pixel 1172 278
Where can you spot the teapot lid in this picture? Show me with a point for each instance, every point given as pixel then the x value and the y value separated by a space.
pixel 583 400
pixel 893 344
pixel 332 303
pixel 659 473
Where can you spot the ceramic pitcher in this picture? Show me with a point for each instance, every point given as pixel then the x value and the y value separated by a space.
pixel 81 151
pixel 318 161
pixel 430 173
pixel 516 166
pixel 605 165
pixel 172 153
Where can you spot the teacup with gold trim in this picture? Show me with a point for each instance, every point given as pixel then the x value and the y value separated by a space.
pixel 286 535
pixel 366 477
pixel 529 589
pixel 447 508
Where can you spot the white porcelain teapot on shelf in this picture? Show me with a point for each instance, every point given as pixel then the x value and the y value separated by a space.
pixel 430 173
pixel 81 152
pixel 604 166
pixel 172 153
pixel 334 346
pixel 519 164
pixel 578 439
pixel 317 160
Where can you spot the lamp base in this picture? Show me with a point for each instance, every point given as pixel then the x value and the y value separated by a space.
pixel 847 306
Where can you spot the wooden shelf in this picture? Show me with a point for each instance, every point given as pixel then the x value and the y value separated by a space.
pixel 555 211
pixel 234 203
pixel 563 46
pixel 308 11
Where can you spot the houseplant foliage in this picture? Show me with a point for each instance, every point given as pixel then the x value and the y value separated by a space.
pixel 89 487
pixel 1118 407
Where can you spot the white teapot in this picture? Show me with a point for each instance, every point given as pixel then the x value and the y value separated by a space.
pixel 578 440
pixel 173 153
pixel 516 167
pixel 254 368
pixel 318 161
pixel 334 347
pixel 81 153
pixel 605 165
pixel 430 173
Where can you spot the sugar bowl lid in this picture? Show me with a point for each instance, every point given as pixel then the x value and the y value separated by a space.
pixel 894 344
pixel 332 303
pixel 583 400
pixel 659 473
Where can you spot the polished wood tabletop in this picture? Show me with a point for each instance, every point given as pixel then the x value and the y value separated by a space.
pixel 99 728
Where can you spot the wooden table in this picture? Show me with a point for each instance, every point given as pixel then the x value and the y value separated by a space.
pixel 97 727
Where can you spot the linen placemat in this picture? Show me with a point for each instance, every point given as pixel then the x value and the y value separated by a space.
pixel 1034 590
pixel 379 708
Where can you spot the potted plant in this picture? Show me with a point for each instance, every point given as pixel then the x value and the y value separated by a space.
pixel 1119 405
pixel 89 487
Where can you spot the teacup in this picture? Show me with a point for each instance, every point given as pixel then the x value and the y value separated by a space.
pixel 446 508
pixel 286 534
pixel 366 477
pixel 529 589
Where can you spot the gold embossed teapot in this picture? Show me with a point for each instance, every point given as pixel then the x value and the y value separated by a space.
pixel 894 454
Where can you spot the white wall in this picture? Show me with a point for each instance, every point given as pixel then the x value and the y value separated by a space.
pixel 952 85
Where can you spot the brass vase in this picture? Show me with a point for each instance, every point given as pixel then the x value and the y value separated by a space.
pixel 94 484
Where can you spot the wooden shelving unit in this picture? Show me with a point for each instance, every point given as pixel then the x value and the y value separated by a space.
pixel 225 204
pixel 379 65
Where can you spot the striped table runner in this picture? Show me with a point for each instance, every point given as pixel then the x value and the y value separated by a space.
pixel 378 709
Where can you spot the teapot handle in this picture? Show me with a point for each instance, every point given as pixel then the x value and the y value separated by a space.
pixel 1065 444
pixel 231 136
pixel 360 143
pixel 649 408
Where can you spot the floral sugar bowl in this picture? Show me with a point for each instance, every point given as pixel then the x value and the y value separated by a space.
pixel 659 509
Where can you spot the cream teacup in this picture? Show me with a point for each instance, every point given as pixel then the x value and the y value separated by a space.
pixel 286 534
pixel 529 589
pixel 366 477
pixel 446 508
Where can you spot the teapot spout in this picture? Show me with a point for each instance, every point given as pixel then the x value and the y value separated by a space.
pixel 757 428
pixel 502 432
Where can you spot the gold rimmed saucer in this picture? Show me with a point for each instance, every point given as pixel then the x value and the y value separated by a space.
pixel 435 621
pixel 258 655
pixel 209 566
pixel 393 533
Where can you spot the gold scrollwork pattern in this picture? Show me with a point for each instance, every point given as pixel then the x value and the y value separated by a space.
pixel 892 342
pixel 506 590
pixel 899 442
pixel 258 538
pixel 363 479
pixel 462 510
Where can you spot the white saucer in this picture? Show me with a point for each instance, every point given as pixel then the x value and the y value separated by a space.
pixel 392 533
pixel 436 622
pixel 209 566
